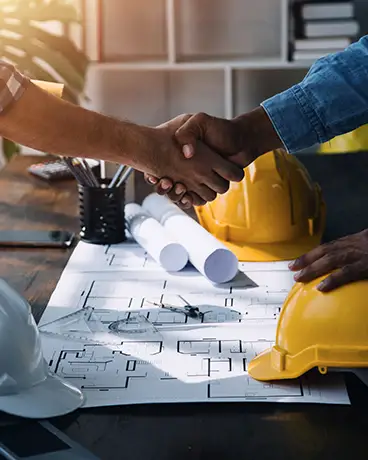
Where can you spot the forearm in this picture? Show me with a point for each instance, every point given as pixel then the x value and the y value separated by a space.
pixel 330 101
pixel 44 122
pixel 256 132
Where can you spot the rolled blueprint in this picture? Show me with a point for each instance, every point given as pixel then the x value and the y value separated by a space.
pixel 208 255
pixel 149 234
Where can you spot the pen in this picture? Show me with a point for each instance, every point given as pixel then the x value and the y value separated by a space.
pixel 74 170
pixel 116 176
pixel 94 181
pixel 125 176
pixel 78 165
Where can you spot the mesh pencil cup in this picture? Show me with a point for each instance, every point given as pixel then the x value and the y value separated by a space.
pixel 101 212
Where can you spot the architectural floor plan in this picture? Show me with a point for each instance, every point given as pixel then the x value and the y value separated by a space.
pixel 132 335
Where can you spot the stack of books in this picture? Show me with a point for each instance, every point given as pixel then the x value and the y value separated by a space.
pixel 323 27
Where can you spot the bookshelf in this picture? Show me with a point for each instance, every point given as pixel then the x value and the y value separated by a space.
pixel 152 60
pixel 155 59
pixel 178 56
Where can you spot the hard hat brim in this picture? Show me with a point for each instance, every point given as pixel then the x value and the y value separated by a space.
pixel 51 398
pixel 260 368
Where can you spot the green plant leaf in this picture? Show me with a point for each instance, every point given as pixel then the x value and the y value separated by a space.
pixel 56 60
pixel 41 54
pixel 10 148
pixel 58 43
pixel 33 70
pixel 54 11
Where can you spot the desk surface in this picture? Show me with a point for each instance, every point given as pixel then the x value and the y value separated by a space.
pixel 166 432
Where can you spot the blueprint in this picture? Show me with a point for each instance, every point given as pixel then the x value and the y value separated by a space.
pixel 127 332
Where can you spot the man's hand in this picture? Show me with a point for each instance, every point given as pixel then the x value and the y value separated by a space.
pixel 207 174
pixel 240 140
pixel 224 136
pixel 346 257
pixel 61 128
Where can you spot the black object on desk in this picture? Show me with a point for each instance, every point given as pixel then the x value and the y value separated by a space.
pixel 51 170
pixel 101 211
pixel 39 441
pixel 57 170
pixel 36 239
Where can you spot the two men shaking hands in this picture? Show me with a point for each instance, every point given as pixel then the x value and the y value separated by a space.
pixel 218 150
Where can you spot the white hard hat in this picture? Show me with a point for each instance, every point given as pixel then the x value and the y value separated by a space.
pixel 27 387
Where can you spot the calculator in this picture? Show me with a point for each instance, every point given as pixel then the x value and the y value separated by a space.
pixel 55 170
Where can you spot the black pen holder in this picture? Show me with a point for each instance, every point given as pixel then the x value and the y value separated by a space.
pixel 101 211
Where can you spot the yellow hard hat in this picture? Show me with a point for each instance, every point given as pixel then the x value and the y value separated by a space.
pixel 275 213
pixel 354 141
pixel 317 329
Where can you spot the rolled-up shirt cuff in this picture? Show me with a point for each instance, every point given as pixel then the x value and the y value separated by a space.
pixel 294 120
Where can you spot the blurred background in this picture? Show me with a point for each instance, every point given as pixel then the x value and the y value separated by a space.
pixel 150 60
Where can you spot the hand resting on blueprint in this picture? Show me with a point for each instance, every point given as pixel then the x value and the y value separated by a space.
pixel 346 257
pixel 240 140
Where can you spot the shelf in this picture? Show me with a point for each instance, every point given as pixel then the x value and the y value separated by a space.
pixel 152 97
pixel 151 61
pixel 259 63
pixel 251 87
pixel 232 27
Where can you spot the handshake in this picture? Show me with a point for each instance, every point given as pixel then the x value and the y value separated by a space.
pixel 192 158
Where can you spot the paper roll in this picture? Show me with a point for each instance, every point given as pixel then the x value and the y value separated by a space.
pixel 208 255
pixel 148 233
pixel 54 88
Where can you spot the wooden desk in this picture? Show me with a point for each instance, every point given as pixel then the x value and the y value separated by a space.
pixel 167 432
pixel 31 204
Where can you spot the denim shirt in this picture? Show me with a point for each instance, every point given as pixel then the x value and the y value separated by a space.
pixel 331 100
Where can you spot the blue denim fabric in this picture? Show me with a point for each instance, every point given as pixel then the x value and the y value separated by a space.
pixel 331 100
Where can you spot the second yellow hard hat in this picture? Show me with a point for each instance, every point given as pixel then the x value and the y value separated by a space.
pixel 275 213
pixel 315 329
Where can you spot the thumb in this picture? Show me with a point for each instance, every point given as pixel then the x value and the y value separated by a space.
pixel 187 136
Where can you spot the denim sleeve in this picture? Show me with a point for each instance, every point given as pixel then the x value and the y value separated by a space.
pixel 331 100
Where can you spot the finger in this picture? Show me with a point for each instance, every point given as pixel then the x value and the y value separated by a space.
pixel 177 192
pixel 311 256
pixel 186 202
pixel 196 199
pixel 164 186
pixel 191 131
pixel 152 180
pixel 347 274
pixel 228 170
pixel 219 184
pixel 179 120
pixel 205 192
pixel 188 150
pixel 320 267
pixel 241 159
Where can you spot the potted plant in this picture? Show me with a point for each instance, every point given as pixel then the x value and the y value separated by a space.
pixel 40 52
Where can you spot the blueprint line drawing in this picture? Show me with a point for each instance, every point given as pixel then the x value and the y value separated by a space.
pixel 218 307
pixel 137 336
pixel 208 370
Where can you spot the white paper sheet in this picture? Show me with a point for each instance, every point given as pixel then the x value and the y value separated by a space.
pixel 208 255
pixel 176 358
pixel 152 237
